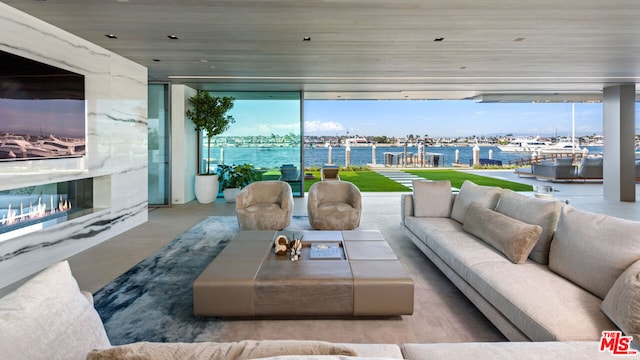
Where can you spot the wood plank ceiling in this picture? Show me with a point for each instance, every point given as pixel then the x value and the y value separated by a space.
pixel 368 49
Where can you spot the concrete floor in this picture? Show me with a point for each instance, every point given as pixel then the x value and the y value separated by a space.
pixel 101 264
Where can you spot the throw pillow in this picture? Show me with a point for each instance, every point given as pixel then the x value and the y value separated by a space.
pixel 592 250
pixel 512 237
pixel 622 303
pixel 486 196
pixel 533 211
pixel 432 198
pixel 246 349
pixel 49 317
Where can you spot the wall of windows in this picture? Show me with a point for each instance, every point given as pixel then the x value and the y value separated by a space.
pixel 267 133
pixel 159 145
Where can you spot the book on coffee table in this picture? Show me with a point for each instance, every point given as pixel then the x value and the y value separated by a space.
pixel 327 251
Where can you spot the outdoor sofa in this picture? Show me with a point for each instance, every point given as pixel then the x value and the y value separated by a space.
pixel 563 169
pixel 539 270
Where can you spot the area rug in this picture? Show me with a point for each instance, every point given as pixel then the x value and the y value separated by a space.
pixel 153 301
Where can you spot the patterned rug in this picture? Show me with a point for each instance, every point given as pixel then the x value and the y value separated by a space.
pixel 153 301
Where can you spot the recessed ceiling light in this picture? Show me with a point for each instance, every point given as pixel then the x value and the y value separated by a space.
pixel 438 39
pixel 519 39
pixel 306 38
pixel 204 61
pixel 111 36
pixel 172 37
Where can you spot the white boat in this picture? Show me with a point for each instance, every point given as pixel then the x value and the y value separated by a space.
pixel 562 147
pixel 14 146
pixel 524 145
pixel 53 146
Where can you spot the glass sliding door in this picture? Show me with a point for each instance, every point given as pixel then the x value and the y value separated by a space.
pixel 267 133
pixel 159 145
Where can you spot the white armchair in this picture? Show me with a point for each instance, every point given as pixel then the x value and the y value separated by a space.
pixel 265 205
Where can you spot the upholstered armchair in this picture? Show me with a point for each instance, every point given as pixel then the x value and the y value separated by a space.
pixel 334 205
pixel 265 205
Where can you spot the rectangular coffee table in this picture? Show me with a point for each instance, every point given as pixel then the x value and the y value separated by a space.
pixel 247 279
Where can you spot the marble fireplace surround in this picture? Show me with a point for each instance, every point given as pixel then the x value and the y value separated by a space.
pixel 116 152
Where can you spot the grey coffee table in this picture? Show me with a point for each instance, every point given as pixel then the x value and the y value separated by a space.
pixel 248 280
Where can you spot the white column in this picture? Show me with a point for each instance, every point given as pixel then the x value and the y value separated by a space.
pixel 373 154
pixel 347 156
pixel 476 154
pixel 329 161
pixel 619 133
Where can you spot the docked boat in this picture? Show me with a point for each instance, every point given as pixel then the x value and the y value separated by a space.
pixel 524 145
pixel 53 146
pixel 15 147
pixel 562 147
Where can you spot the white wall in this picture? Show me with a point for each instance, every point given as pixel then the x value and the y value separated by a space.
pixel 116 93
pixel 183 147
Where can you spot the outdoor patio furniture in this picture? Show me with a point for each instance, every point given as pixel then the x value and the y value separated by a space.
pixel 330 172
pixel 334 205
pixel 265 205
pixel 590 168
pixel 560 169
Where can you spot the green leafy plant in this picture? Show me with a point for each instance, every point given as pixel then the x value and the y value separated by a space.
pixel 237 176
pixel 209 113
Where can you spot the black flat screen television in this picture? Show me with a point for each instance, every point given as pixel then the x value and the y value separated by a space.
pixel 42 110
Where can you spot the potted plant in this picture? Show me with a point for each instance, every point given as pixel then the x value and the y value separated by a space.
pixel 234 178
pixel 209 113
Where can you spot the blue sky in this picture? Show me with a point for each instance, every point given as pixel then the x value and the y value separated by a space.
pixel 399 118
pixel 448 118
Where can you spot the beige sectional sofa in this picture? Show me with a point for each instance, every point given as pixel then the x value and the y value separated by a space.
pixel 539 270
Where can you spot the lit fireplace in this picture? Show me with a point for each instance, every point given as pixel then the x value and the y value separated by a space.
pixel 33 208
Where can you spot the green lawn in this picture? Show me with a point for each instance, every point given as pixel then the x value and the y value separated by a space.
pixel 458 177
pixel 364 180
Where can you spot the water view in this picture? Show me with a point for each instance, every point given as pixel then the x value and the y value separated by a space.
pixel 274 157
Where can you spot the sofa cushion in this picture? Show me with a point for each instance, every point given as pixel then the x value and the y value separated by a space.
pixel 622 303
pixel 246 349
pixel 512 237
pixel 49 317
pixel 506 350
pixel 592 250
pixel 432 198
pixel 486 196
pixel 541 304
pixel 534 211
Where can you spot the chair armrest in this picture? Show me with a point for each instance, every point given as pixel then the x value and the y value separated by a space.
pixel 356 198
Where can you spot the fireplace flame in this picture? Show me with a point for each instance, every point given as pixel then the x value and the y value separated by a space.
pixel 33 212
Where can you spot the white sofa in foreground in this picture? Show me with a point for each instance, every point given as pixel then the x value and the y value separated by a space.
pixel 539 270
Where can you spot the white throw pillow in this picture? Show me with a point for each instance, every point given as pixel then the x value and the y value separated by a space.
pixel 486 196
pixel 622 303
pixel 49 318
pixel 432 198
pixel 534 211
pixel 592 250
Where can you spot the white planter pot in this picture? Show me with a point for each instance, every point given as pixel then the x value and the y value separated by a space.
pixel 206 188
pixel 231 194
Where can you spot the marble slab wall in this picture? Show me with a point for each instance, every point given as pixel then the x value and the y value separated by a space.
pixel 116 93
